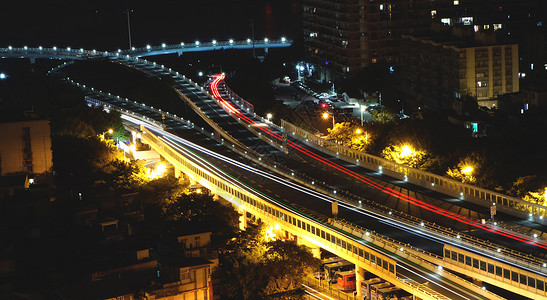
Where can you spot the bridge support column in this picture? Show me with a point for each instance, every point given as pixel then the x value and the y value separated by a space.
pixel 242 218
pixel 359 277
pixel 32 60
pixel 178 172
pixel 316 252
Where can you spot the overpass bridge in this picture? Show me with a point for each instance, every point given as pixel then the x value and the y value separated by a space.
pixel 276 216
pixel 193 92
pixel 69 53
pixel 213 45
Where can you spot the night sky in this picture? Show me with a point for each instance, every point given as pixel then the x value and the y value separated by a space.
pixel 102 24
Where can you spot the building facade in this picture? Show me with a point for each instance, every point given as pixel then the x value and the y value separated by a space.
pixel 438 71
pixel 344 36
pixel 25 147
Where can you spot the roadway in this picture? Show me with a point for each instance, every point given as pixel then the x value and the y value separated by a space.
pixel 397 195
pixel 274 188
pixel 401 196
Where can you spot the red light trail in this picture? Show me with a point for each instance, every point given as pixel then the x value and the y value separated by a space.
pixel 389 191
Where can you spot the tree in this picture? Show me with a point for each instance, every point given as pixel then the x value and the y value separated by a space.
pixel 531 188
pixel 256 268
pixel 405 154
pixel 475 169
pixel 351 135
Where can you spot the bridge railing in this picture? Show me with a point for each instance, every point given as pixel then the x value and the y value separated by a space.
pixel 215 44
pixel 257 159
pixel 477 244
pixel 298 223
pixel 428 180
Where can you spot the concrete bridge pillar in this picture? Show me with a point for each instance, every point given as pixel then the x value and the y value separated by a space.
pixel 32 60
pixel 359 277
pixel 242 218
pixel 316 252
pixel 178 172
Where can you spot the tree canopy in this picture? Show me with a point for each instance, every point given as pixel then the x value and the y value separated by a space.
pixel 257 268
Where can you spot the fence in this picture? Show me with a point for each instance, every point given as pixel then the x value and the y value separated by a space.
pixel 480 196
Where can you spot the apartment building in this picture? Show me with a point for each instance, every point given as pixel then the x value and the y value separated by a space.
pixel 440 69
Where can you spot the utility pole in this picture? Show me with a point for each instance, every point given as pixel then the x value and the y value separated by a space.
pixel 128 11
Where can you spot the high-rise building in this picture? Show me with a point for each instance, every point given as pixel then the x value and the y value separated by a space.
pixel 344 36
pixel 440 69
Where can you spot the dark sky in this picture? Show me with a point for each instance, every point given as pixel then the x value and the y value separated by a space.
pixel 102 24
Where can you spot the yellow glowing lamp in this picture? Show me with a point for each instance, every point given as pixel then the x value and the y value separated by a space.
pixel 110 131
pixel 467 170
pixel 325 115
pixel 358 131
pixel 406 151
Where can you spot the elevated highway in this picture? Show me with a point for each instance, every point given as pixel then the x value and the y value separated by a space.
pixel 397 229
pixel 504 264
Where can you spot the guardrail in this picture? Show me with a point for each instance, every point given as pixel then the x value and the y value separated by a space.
pixel 344 196
pixel 258 160
pixel 411 253
pixel 483 197
pixel 265 43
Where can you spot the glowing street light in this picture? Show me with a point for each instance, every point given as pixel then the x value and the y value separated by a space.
pixel 269 117
pixel 467 170
pixel 358 131
pixel 363 108
pixel 326 116
pixel 109 131
pixel 406 151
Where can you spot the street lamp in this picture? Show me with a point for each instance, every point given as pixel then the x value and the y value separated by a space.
pixel 406 151
pixel 109 131
pixel 326 116
pixel 299 69
pixel 269 117
pixel 363 108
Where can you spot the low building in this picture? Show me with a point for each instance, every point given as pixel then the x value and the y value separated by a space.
pixel 189 278
pixel 25 146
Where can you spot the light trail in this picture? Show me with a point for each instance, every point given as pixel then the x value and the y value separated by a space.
pixel 172 139
pixel 389 191
pixel 215 170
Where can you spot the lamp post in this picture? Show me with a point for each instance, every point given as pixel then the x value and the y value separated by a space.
pixel 326 116
pixel 109 131
pixel 269 117
pixel 128 11
pixel 363 108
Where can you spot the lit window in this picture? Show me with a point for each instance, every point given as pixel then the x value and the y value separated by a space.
pixel 374 60
pixel 381 7
pixel 486 26
pixel 456 2
pixel 433 13
pixel 467 20
pixel 476 28
pixel 446 21
pixel 497 26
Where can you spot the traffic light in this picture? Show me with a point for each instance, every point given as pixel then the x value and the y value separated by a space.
pixel 323 105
